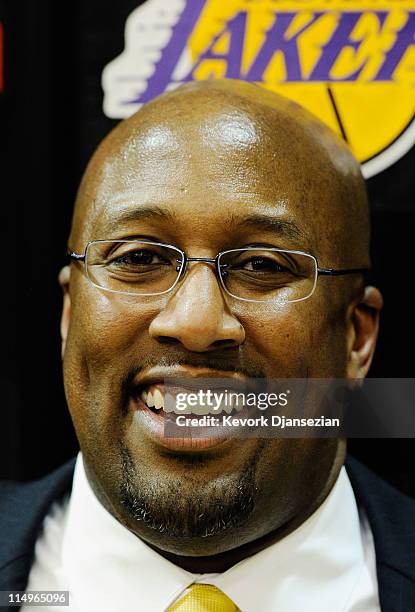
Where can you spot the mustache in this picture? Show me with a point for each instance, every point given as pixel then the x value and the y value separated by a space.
pixel 199 361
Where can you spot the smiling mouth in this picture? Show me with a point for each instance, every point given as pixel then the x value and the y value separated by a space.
pixel 162 401
pixel 155 408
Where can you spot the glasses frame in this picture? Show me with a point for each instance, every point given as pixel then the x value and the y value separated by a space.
pixel 82 258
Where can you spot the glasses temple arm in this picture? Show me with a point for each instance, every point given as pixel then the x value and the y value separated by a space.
pixel 332 272
pixel 75 256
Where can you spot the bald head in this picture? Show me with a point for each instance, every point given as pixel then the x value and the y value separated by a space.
pixel 226 130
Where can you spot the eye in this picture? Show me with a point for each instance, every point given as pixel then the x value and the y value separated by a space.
pixel 142 257
pixel 262 264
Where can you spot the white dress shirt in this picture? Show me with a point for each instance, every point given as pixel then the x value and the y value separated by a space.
pixel 325 565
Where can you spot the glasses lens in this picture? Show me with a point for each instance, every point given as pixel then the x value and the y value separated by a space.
pixel 131 266
pixel 268 275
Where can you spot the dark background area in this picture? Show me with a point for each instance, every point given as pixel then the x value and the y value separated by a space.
pixel 51 121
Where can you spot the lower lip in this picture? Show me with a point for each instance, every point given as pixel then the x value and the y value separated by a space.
pixel 153 425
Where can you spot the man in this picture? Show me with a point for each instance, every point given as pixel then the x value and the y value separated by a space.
pixel 250 524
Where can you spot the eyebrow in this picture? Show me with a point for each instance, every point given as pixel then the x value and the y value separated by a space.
pixel 139 214
pixel 284 228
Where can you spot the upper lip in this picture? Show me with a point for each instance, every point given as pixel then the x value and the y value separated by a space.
pixel 156 375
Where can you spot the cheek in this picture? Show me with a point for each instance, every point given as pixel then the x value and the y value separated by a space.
pixel 108 326
pixel 303 339
pixel 280 338
pixel 326 337
pixel 104 344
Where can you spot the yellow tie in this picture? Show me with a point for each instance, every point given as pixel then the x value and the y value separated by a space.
pixel 203 598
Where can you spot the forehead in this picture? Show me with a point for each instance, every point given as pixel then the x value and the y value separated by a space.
pixel 214 170
pixel 198 154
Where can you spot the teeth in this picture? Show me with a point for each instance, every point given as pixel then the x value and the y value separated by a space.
pixel 237 403
pixel 224 408
pixel 168 403
pixel 158 399
pixel 202 410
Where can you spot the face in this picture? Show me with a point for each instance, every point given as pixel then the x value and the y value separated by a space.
pixel 219 181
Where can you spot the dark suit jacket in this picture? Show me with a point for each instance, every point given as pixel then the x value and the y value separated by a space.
pixel 391 516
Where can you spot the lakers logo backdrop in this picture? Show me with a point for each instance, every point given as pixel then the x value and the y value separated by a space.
pixel 352 63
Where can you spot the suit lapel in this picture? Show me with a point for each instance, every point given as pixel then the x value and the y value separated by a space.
pixel 22 510
pixel 391 517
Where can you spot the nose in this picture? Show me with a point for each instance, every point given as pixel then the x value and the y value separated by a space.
pixel 197 315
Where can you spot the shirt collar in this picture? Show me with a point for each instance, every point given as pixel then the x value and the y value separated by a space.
pixel 316 567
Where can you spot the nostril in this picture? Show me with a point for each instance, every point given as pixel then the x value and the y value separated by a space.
pixel 223 343
pixel 168 340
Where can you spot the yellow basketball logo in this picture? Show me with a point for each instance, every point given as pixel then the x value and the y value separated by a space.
pixel 351 63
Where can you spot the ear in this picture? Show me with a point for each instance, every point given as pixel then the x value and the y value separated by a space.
pixel 64 277
pixel 364 326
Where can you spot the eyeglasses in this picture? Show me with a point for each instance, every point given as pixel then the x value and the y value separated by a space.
pixel 252 274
